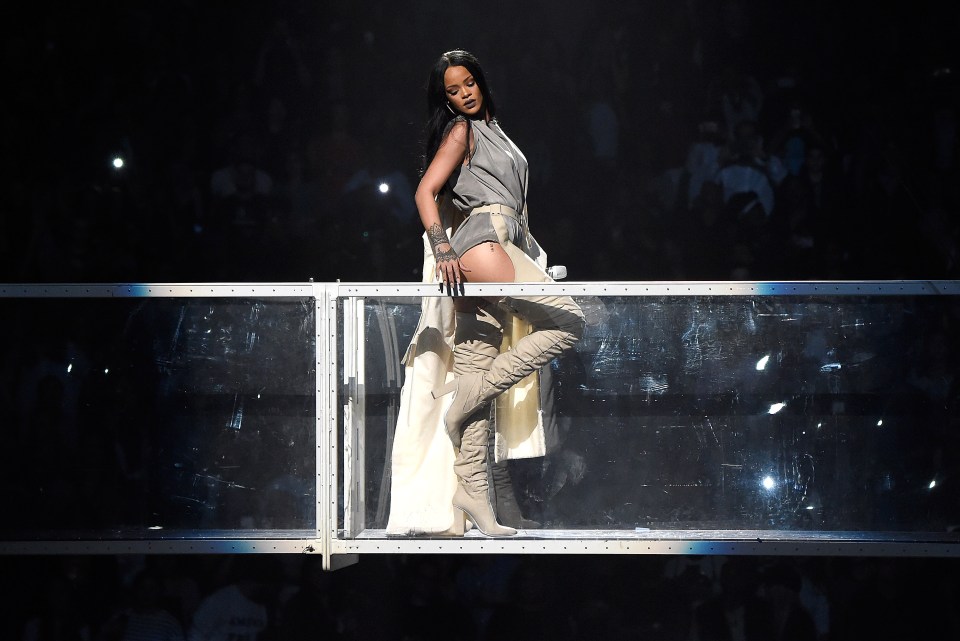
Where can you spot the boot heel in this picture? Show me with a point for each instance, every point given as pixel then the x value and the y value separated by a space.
pixel 480 513
pixel 445 389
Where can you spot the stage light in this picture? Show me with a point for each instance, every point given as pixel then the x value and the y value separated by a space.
pixel 768 483
pixel 776 407
pixel 762 363
pixel 384 188
pixel 932 485
pixel 118 162
pixel 880 423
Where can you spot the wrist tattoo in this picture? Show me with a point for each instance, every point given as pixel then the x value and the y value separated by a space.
pixel 437 236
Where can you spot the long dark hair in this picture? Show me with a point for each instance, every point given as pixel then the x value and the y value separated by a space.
pixel 439 113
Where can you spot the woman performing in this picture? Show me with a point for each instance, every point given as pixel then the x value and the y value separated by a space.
pixel 474 175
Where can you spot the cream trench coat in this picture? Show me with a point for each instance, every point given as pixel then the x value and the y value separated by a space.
pixel 422 477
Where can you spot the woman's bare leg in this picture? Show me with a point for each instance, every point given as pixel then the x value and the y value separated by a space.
pixel 484 263
pixel 477 344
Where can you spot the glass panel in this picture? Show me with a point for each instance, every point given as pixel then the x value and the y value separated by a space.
pixel 778 412
pixel 172 414
pixel 389 325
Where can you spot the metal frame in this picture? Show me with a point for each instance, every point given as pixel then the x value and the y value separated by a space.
pixel 697 542
pixel 205 542
pixel 327 433
pixel 338 551
pixel 669 288
pixel 354 416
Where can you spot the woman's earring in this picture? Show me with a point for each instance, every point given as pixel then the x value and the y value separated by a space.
pixel 451 109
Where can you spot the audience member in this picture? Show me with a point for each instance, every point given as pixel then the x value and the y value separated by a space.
pixel 180 588
pixel 781 585
pixel 239 608
pixel 240 214
pixel 737 96
pixel 747 181
pixel 309 612
pixel 144 617
pixel 737 612
pixel 703 160
pixel 748 177
pixel 810 222
pixel 60 616
pixel 791 142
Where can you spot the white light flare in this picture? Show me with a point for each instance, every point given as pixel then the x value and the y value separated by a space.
pixel 776 407
pixel 768 483
pixel 762 363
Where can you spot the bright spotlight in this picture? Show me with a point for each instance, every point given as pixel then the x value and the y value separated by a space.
pixel 768 483
pixel 762 363
pixel 932 485
pixel 384 188
pixel 776 407
pixel 118 163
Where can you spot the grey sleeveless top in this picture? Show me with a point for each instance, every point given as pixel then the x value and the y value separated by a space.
pixel 496 173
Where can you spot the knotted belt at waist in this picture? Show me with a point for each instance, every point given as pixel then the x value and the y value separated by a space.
pixel 503 210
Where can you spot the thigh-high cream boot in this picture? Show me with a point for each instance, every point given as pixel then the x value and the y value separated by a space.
pixel 557 323
pixel 477 344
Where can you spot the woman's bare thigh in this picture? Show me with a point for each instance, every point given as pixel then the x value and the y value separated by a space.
pixel 485 263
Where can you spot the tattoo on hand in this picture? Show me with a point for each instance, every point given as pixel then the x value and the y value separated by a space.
pixel 446 254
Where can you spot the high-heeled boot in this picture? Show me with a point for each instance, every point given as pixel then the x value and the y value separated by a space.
pixel 557 323
pixel 471 467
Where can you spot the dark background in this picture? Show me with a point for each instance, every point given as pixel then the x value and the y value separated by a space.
pixel 255 136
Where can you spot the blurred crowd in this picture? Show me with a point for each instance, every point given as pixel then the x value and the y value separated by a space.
pixel 474 598
pixel 188 141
